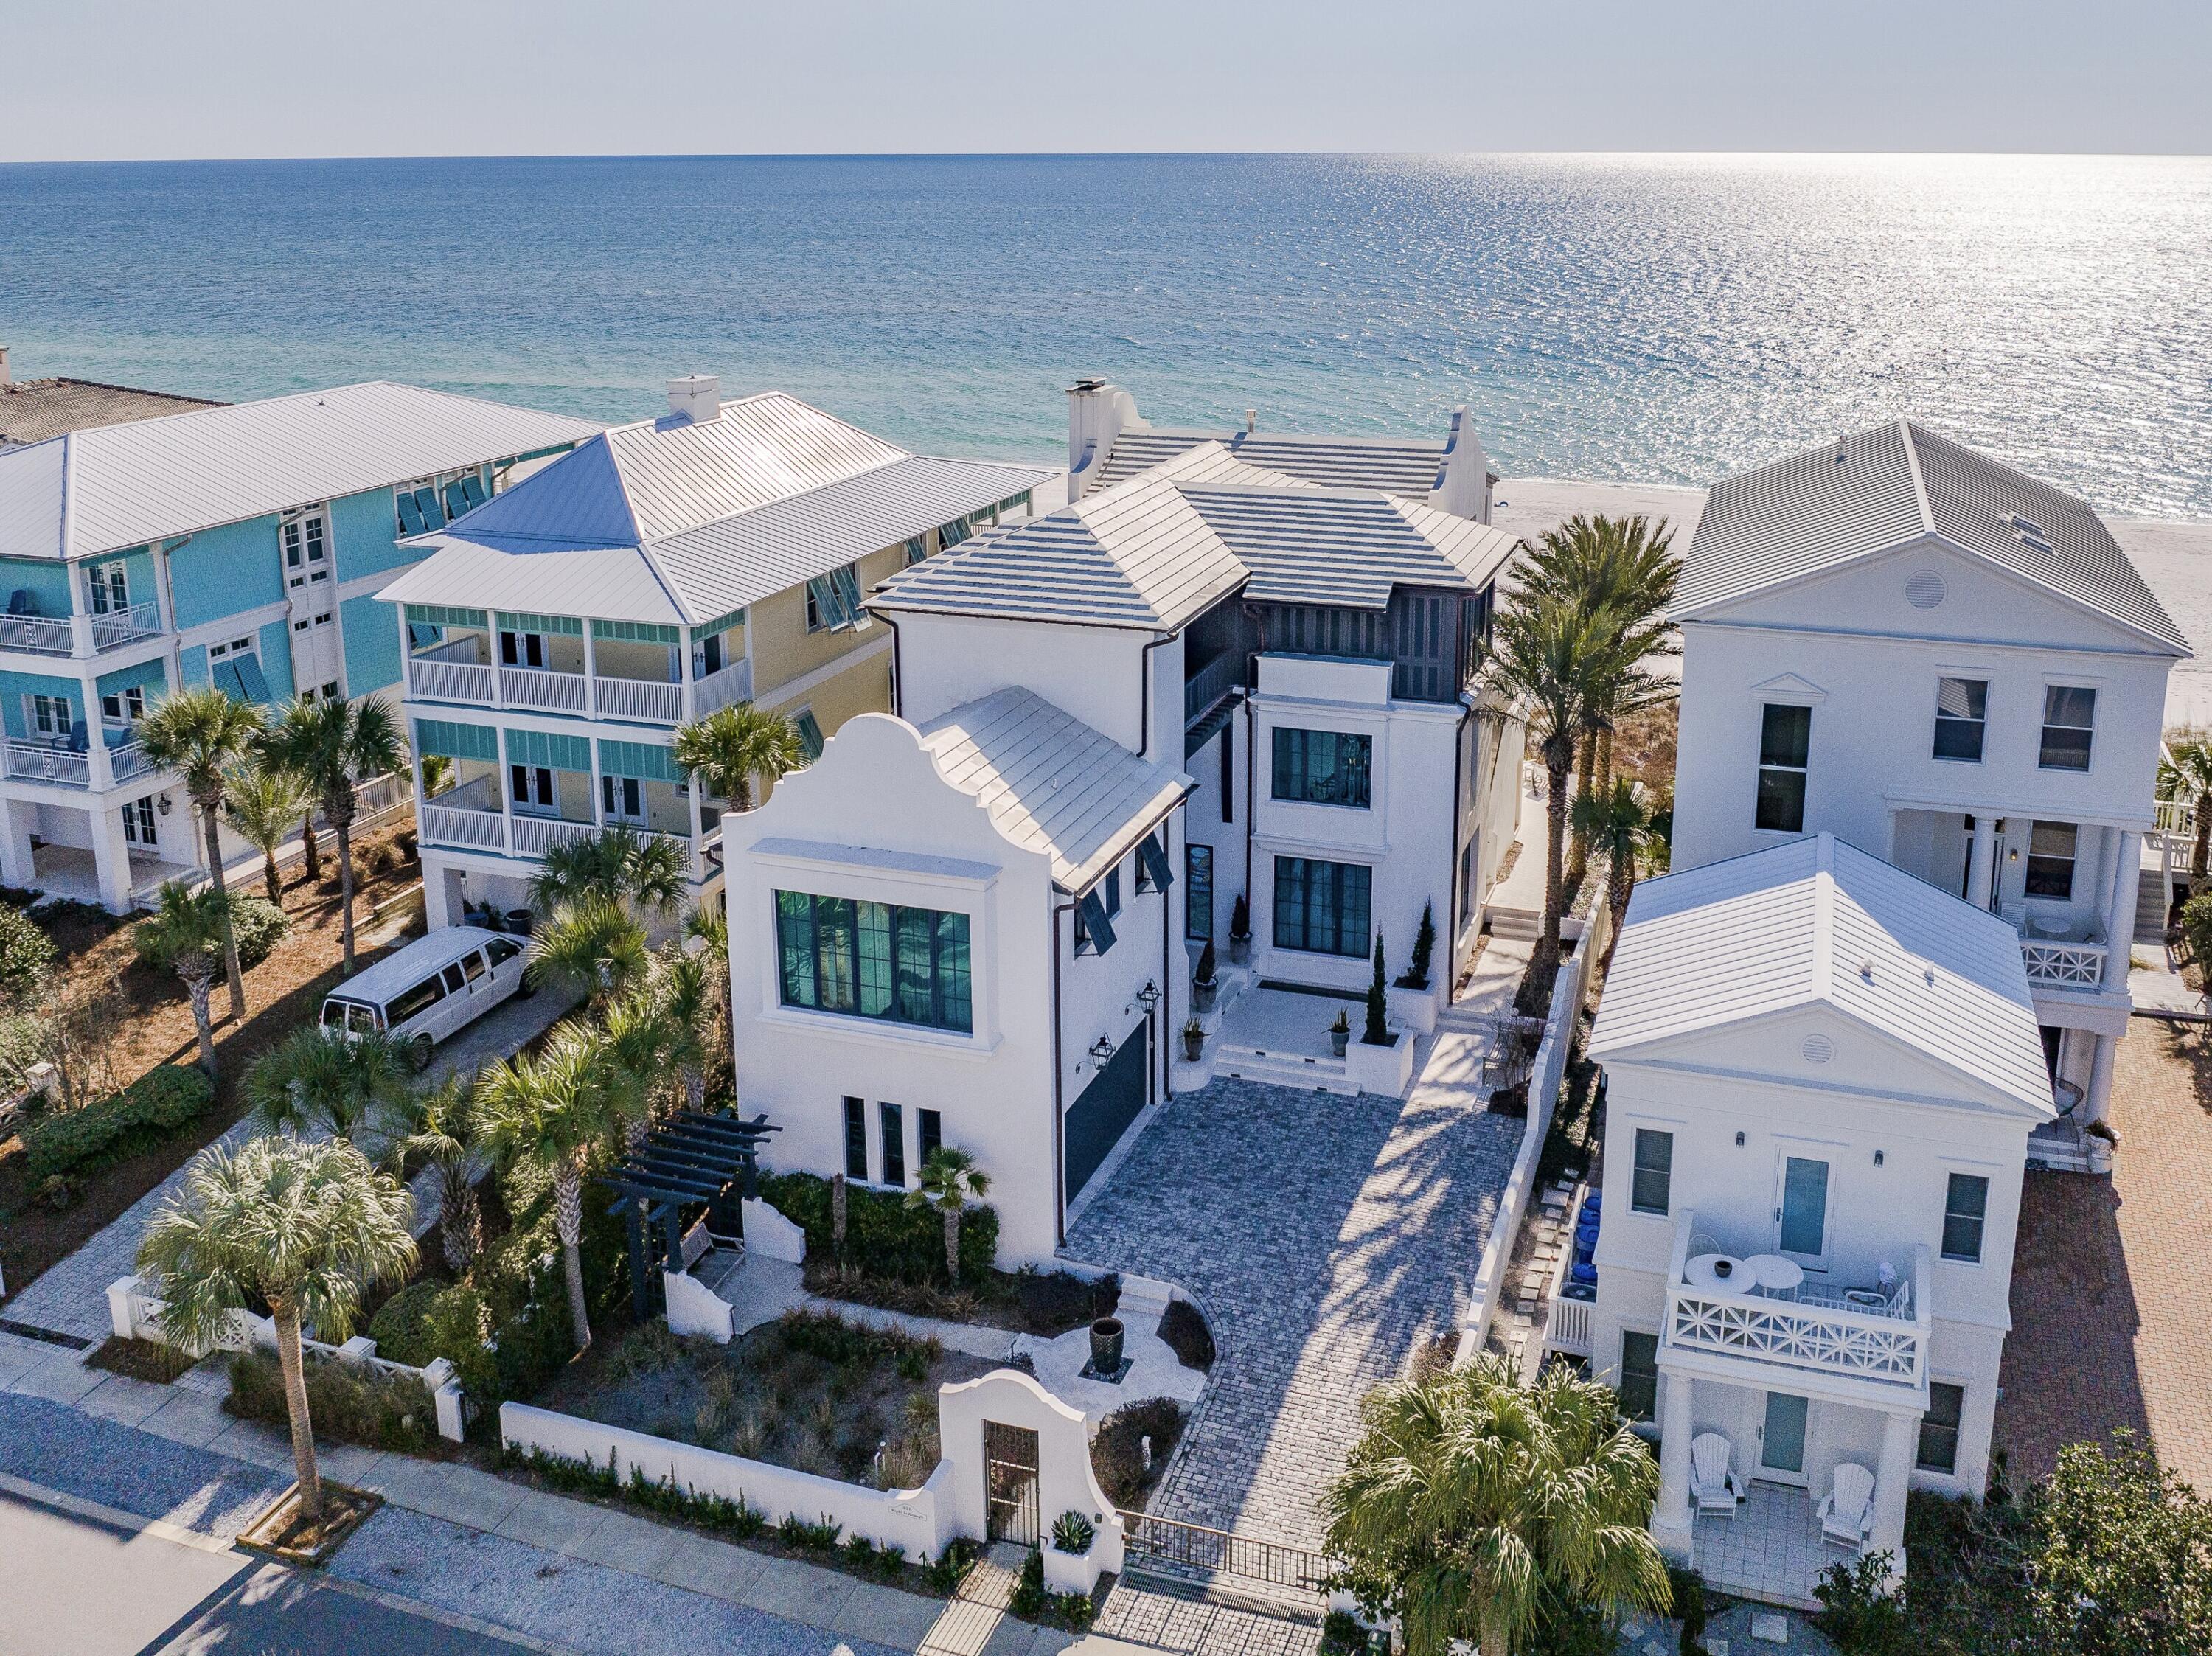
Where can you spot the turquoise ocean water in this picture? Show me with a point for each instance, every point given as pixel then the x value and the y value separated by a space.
pixel 1661 319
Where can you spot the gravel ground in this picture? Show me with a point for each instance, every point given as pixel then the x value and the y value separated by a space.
pixel 135 1471
pixel 563 1600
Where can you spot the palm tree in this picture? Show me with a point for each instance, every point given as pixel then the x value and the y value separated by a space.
pixel 1621 822
pixel 684 990
pixel 645 871
pixel 263 801
pixel 594 946
pixel 554 1112
pixel 304 1228
pixel 187 933
pixel 637 1035
pixel 201 733
pixel 1474 1508
pixel 706 934
pixel 445 1133
pixel 732 745
pixel 2185 773
pixel 314 1083
pixel 333 745
pixel 947 1181
pixel 1562 665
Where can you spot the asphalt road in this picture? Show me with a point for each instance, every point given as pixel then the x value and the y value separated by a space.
pixel 73 1585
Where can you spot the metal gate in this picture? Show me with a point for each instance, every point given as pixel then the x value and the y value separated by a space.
pixel 1010 1483
pixel 1192 1551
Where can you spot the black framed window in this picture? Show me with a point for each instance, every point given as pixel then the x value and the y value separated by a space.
pixel 2069 719
pixel 1785 743
pixel 1322 908
pixel 1324 768
pixel 874 960
pixel 1939 1427
pixel 894 1146
pixel 1639 1375
pixel 1198 893
pixel 1966 1209
pixel 1113 891
pixel 928 1134
pixel 856 1138
pixel 2050 859
pixel 1228 771
pixel 1651 1187
pixel 1961 716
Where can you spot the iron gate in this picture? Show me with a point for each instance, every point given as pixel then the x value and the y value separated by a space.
pixel 1177 1549
pixel 1010 1474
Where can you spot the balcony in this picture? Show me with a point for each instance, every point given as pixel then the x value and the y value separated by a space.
pixel 30 761
pixel 457 671
pixel 471 818
pixel 1215 679
pixel 58 635
pixel 637 698
pixel 118 627
pixel 452 672
pixel 43 635
pixel 546 692
pixel 1874 1332
pixel 129 761
pixel 2062 955
pixel 724 688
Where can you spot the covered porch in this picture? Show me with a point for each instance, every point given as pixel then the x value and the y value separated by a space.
pixel 598 669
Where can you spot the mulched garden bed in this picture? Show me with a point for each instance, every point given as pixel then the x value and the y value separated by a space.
pixel 1024 1301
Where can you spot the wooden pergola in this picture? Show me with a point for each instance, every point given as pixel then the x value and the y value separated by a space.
pixel 691 1159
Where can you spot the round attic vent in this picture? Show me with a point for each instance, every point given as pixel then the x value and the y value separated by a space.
pixel 1924 591
pixel 1818 1049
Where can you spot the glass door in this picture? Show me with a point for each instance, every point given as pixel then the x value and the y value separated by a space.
pixel 1802 1214
pixel 1781 1439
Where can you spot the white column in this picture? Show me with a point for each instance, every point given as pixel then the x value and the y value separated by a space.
pixel 689 667
pixel 2120 909
pixel 1981 861
pixel 17 818
pixel 1671 1517
pixel 590 672
pixel 110 857
pixel 1900 1443
pixel 2099 1102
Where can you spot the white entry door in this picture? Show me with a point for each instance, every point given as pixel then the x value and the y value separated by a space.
pixel 1781 1439
pixel 311 597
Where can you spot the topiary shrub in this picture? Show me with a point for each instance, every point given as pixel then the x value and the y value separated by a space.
pixel 884 1237
pixel 255 922
pixel 1117 1452
pixel 145 1113
pixel 1184 1327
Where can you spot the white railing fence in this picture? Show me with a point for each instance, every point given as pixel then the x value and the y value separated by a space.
pixel 119 627
pixel 637 698
pixel 129 760
pixel 536 835
pixel 471 830
pixel 2075 965
pixel 731 685
pixel 46 635
pixel 534 687
pixel 448 680
pixel 30 762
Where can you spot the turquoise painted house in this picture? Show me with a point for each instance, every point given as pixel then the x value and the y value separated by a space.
pixel 241 546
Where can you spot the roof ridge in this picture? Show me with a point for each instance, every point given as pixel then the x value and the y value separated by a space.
pixel 1824 915
pixel 67 515
pixel 1904 434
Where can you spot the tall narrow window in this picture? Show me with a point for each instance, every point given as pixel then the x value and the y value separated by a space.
pixel 2050 859
pixel 1639 1375
pixel 1652 1183
pixel 1198 893
pixel 1966 1210
pixel 1961 716
pixel 1322 907
pixel 894 1146
pixel 1939 1427
pixel 928 1134
pixel 1228 771
pixel 1804 1227
pixel 1785 740
pixel 2069 718
pixel 856 1138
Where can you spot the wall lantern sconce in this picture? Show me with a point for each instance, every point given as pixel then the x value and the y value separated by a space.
pixel 1101 1050
pixel 164 804
pixel 2012 854
pixel 1877 1158
pixel 1149 996
pixel 1739 1139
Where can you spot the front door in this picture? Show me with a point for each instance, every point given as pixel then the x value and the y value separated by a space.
pixel 1801 1212
pixel 1781 1439
pixel 1010 1483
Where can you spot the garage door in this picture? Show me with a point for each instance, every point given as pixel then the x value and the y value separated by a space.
pixel 1102 1111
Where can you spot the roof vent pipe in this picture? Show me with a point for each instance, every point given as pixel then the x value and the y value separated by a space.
pixel 696 397
pixel 5 379
pixel 1251 421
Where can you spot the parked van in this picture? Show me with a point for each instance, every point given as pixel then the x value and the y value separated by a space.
pixel 430 988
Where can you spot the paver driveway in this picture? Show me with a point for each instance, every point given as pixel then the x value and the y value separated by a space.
pixel 1327 1238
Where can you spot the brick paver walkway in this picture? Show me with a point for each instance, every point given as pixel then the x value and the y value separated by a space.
pixel 2111 1290
pixel 1326 1238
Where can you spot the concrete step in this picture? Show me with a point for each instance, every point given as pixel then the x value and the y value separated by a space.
pixel 1528 923
pixel 1144 1297
pixel 1284 1069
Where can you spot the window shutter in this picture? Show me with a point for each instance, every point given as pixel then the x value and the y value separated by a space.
pixel 1095 923
pixel 1155 863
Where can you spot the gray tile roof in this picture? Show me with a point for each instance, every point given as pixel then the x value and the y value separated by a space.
pixel 1051 782
pixel 1342 548
pixel 1894 485
pixel 32 410
pixel 1395 465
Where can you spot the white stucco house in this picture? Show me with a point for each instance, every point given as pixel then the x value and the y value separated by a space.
pixel 1202 679
pixel 1821 1079
pixel 1953 667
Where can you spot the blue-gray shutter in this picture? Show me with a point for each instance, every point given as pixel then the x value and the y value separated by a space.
pixel 1095 923
pixel 1155 862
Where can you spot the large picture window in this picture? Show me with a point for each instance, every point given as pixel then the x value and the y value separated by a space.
pixel 1785 742
pixel 874 960
pixel 1324 768
pixel 1321 907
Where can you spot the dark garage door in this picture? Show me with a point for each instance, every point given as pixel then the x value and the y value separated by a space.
pixel 1104 1109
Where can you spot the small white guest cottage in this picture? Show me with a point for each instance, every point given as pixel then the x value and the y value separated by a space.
pixel 1821 1075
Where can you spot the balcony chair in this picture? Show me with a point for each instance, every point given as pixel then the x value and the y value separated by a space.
pixel 22 602
pixel 1713 1486
pixel 1846 1512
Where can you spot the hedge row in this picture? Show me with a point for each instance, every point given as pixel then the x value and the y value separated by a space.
pixel 352 1402
pixel 884 1237
pixel 255 922
pixel 151 1108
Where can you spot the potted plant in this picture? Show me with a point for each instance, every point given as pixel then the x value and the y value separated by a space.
pixel 1411 1002
pixel 1240 932
pixel 2099 1141
pixel 1072 1532
pixel 1340 1032
pixel 1203 986
pixel 1106 1337
pixel 1194 1041
pixel 1416 975
pixel 1377 1032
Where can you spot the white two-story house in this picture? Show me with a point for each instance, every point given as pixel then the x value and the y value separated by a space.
pixel 1953 667
pixel 1204 680
pixel 1821 1075
pixel 556 636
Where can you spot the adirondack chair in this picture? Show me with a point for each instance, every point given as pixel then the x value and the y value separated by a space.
pixel 1713 1486
pixel 1846 1512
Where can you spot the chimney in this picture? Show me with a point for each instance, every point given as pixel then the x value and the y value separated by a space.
pixel 1097 413
pixel 1251 421
pixel 696 397
pixel 1462 484
pixel 5 379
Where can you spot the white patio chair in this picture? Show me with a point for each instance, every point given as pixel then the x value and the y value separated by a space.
pixel 1713 1486
pixel 1846 1512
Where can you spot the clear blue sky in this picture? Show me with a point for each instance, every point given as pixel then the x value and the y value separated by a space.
pixel 121 79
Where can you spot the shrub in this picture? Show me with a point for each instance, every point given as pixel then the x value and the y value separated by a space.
pixel 24 1039
pixel 1117 1452
pixel 255 922
pixel 1686 1588
pixel 1184 1328
pixel 943 1574
pixel 800 1536
pixel 1072 1532
pixel 26 958
pixel 884 1237
pixel 58 1192
pixel 1027 1599
pixel 141 1116
pixel 1857 1612
pixel 352 1402
pixel 1342 1635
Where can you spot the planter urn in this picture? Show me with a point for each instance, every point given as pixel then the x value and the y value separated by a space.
pixel 1240 950
pixel 1338 1041
pixel 1202 994
pixel 1106 1337
pixel 1194 1044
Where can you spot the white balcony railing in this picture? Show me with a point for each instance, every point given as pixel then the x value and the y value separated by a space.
pixel 1569 1327
pixel 448 680
pixel 121 627
pixel 45 635
pixel 467 827
pixel 27 762
pixel 534 687
pixel 470 830
pixel 129 761
pixel 1880 1338
pixel 638 698
pixel 725 688
pixel 2065 965
pixel 536 835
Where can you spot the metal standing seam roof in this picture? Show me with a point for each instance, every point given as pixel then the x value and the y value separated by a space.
pixel 671 521
pixel 1051 782
pixel 1818 922
pixel 1896 484
pixel 1396 465
pixel 113 486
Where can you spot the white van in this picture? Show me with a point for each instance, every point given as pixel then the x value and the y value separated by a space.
pixel 430 988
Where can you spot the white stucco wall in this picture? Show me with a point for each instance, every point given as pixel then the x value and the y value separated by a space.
pixel 1092 672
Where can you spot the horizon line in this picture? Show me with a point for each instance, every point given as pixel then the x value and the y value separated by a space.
pixel 1127 154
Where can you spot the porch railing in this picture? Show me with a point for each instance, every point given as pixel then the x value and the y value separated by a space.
pixel 724 688
pixel 27 762
pixel 472 830
pixel 2065 965
pixel 536 835
pixel 534 687
pixel 129 761
pixel 448 680
pixel 638 698
pixel 1211 683
pixel 121 627
pixel 46 635
pixel 467 828
pixel 1178 1548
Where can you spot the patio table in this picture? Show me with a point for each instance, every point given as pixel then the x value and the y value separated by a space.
pixel 1704 1271
pixel 1774 1273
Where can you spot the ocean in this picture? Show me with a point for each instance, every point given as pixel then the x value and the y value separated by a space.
pixel 1661 319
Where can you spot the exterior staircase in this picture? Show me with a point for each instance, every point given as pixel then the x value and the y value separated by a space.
pixel 1523 923
pixel 1320 1075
